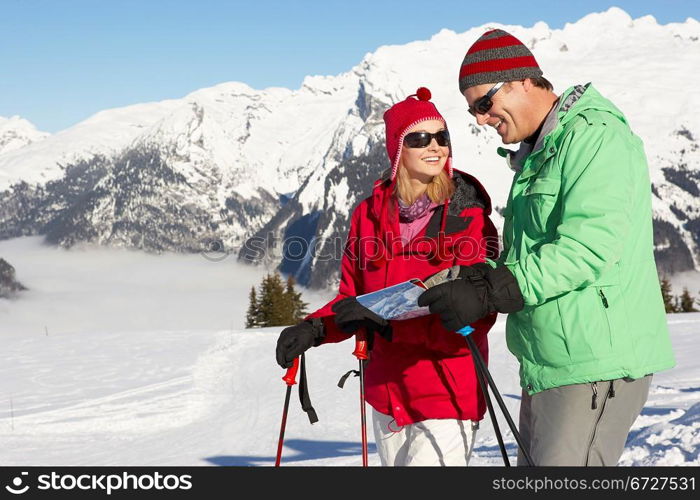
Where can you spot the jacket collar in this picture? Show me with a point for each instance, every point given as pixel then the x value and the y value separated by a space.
pixel 545 146
pixel 469 192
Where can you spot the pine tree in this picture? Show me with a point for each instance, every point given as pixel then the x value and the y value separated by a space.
pixel 252 316
pixel 272 301
pixel 686 302
pixel 296 308
pixel 287 307
pixel 275 305
pixel 669 302
pixel 264 302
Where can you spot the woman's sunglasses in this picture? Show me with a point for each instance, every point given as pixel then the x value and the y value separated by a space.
pixel 483 104
pixel 423 139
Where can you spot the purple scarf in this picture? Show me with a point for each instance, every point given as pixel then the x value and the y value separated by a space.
pixel 413 218
pixel 408 213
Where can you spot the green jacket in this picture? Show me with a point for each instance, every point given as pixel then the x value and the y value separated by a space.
pixel 578 239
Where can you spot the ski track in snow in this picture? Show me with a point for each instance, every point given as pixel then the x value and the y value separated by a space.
pixel 214 396
pixel 223 408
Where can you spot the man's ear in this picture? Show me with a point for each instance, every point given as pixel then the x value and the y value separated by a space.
pixel 527 84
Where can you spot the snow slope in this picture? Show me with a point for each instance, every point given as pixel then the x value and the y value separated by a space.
pixel 144 361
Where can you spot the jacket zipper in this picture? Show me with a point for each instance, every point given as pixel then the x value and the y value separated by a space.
pixel 606 306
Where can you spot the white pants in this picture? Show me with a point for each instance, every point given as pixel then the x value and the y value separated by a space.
pixel 430 442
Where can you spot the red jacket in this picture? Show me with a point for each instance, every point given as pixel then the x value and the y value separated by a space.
pixel 425 372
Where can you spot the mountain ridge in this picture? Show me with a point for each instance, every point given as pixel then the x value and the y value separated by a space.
pixel 231 155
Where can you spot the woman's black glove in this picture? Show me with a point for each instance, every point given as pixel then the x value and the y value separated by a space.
pixel 297 339
pixel 350 316
pixel 478 291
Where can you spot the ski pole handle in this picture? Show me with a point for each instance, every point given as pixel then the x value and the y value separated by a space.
pixel 360 351
pixel 465 330
pixel 291 375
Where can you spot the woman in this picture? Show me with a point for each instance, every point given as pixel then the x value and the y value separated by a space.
pixel 422 217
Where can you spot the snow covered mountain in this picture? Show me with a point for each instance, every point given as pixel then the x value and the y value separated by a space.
pixel 242 170
pixel 16 132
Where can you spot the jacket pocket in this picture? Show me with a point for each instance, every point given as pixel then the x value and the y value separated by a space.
pixel 586 322
pixel 606 306
pixel 541 197
pixel 547 338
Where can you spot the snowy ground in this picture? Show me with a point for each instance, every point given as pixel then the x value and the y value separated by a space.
pixel 121 358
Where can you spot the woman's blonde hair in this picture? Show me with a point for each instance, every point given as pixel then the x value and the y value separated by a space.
pixel 439 189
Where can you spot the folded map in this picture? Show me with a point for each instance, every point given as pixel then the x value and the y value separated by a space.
pixel 396 302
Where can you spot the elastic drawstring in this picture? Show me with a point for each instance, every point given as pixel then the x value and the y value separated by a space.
pixel 443 222
pixel 441 252
pixel 393 420
pixel 594 387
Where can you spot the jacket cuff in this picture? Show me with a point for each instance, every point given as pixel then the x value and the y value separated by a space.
pixel 319 330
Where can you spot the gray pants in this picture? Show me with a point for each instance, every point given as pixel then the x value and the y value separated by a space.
pixel 559 426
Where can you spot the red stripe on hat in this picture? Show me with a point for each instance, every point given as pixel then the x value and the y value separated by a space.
pixel 498 65
pixel 494 43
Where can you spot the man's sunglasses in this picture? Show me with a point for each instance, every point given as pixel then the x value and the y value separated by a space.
pixel 423 139
pixel 483 104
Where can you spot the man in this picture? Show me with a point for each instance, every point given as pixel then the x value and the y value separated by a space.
pixel 577 272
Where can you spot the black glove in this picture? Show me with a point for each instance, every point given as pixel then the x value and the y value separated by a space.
pixel 350 316
pixel 504 291
pixel 478 291
pixel 295 340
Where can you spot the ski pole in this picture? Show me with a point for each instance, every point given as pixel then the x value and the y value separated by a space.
pixel 290 379
pixel 485 371
pixel 501 404
pixel 480 377
pixel 362 355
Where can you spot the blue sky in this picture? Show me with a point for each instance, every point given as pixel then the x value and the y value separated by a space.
pixel 63 60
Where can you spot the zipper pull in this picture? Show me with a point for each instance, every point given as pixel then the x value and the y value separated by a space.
pixel 594 404
pixel 604 298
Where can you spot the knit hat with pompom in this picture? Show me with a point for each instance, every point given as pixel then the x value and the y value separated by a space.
pixel 403 116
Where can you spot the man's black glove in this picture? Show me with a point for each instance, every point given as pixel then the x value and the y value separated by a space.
pixel 350 316
pixel 504 291
pixel 295 340
pixel 478 291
